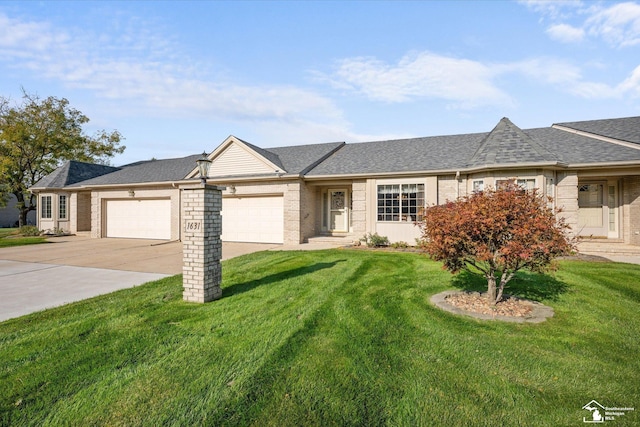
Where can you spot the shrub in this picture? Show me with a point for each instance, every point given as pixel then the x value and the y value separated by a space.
pixel 375 240
pixel 399 244
pixel 29 230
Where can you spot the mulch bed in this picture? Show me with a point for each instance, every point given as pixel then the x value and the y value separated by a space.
pixel 475 302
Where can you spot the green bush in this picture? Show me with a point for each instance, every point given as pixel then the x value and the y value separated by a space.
pixel 399 244
pixel 29 230
pixel 375 240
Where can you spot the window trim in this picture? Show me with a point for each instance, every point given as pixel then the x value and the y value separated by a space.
pixel 63 207
pixel 46 207
pixel 480 184
pixel 403 209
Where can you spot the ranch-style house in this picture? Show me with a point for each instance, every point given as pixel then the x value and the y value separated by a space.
pixel 290 194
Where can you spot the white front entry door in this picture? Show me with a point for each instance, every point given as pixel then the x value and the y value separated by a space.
pixel 592 209
pixel 338 214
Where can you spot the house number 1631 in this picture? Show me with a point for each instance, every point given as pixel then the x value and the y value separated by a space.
pixel 193 226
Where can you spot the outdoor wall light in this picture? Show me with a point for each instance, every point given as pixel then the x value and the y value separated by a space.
pixel 203 167
pixel 132 193
pixel 232 189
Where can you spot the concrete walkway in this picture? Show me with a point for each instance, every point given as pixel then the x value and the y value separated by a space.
pixel 73 268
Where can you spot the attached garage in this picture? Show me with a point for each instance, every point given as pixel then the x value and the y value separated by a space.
pixel 139 219
pixel 253 219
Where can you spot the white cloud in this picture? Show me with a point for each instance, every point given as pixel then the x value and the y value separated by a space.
pixel 140 69
pixel 464 82
pixel 631 84
pixel 552 8
pixel 565 33
pixel 545 70
pixel 619 24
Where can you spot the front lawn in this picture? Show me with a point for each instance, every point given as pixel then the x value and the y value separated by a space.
pixel 11 237
pixel 339 337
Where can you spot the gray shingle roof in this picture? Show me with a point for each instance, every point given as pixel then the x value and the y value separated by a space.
pixel 272 157
pixel 508 144
pixel 72 172
pixel 574 149
pixel 404 155
pixel 299 159
pixel 624 129
pixel 505 145
pixel 166 170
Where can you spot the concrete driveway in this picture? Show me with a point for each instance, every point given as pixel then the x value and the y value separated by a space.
pixel 73 268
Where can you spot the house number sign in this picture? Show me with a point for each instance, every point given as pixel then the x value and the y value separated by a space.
pixel 192 226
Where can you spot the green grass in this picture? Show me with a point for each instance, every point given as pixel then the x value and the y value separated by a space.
pixel 11 237
pixel 340 337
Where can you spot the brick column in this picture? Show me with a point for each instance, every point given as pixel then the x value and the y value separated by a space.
pixel 201 244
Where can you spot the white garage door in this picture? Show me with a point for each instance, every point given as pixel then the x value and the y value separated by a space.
pixel 253 219
pixel 139 219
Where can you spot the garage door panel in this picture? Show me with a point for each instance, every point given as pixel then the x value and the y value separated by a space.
pixel 253 219
pixel 139 219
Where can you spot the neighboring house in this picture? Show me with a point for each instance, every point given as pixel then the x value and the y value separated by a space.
pixel 290 194
pixel 9 215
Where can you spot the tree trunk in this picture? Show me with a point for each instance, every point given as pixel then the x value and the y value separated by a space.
pixel 22 207
pixel 22 218
pixel 491 288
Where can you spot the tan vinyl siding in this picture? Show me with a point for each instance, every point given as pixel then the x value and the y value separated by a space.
pixel 235 160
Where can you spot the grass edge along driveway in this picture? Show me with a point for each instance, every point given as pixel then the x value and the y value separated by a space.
pixel 337 337
pixel 11 237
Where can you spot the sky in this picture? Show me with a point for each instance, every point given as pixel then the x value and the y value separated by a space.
pixel 177 78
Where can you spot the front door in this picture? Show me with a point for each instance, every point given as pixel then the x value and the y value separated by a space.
pixel 338 212
pixel 593 209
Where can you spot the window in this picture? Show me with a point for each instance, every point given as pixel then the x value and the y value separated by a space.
pixel 612 208
pixel 62 207
pixel 400 202
pixel 501 184
pixel 590 195
pixel 550 187
pixel 45 208
pixel 526 184
pixel 478 186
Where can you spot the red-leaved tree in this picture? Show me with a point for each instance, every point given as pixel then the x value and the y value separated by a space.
pixel 497 232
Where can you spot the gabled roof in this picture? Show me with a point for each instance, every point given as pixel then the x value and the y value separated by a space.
pixel 508 144
pixel 590 143
pixel 145 172
pixel 299 159
pixel 623 129
pixel 72 172
pixel 272 157
pixel 252 161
